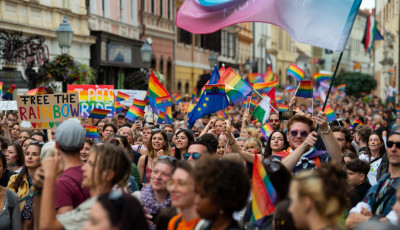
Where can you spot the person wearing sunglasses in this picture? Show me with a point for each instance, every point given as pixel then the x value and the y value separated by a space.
pixel 181 189
pixel 274 121
pixel 206 145
pixel 103 172
pixel 301 154
pixel 183 139
pixel 380 198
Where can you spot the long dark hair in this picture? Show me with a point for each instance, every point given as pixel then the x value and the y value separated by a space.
pixel 382 150
pixel 24 170
pixel 20 154
pixel 189 136
pixel 268 150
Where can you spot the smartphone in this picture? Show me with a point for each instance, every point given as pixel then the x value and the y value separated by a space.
pixel 286 115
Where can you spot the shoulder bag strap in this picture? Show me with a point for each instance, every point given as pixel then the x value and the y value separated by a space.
pixel 79 186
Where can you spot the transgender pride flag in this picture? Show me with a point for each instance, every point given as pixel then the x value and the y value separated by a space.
pixel 323 23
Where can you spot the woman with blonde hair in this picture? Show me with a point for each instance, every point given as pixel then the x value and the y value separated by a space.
pixel 158 146
pixel 253 132
pixel 317 197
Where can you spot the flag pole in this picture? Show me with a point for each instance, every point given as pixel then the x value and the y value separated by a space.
pixel 312 106
pixel 297 89
pixel 330 86
pixel 262 97
pixel 248 105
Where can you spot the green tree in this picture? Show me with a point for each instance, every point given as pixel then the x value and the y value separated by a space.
pixel 356 83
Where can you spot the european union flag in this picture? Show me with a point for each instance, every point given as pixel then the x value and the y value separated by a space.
pixel 207 104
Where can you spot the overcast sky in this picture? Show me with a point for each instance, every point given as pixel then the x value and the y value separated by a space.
pixel 367 4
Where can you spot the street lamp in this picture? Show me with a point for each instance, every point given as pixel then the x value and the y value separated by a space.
pixel 146 52
pixel 64 34
pixel 213 60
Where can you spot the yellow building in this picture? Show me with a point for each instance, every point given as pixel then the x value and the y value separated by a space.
pixel 245 38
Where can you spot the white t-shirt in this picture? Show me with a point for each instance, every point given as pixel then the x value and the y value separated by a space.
pixel 373 171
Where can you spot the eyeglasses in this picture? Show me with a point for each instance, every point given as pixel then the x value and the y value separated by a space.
pixel 273 120
pixel 195 156
pixel 295 133
pixel 179 183
pixel 391 143
pixel 37 143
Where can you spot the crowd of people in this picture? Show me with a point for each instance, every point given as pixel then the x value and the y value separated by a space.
pixel 144 175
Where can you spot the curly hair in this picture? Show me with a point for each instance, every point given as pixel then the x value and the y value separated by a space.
pixel 302 119
pixel 226 182
pixel 364 132
pixel 344 130
pixel 358 166
pixel 324 187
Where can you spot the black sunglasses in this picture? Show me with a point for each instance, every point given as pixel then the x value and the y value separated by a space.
pixel 195 156
pixel 391 143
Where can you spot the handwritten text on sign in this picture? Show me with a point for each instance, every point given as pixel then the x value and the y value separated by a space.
pixel 94 96
pixel 47 111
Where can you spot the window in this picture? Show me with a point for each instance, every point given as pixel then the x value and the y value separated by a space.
pixel 133 12
pixel 161 2
pixel 184 36
pixel 169 9
pixel 232 45
pixel 122 7
pixel 212 41
pixel 152 6
pixel 187 87
pixel 224 43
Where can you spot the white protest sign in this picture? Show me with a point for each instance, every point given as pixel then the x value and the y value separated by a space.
pixel 8 105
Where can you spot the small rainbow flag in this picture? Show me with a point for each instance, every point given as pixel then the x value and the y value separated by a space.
pixel 134 112
pixel 32 92
pixel 278 99
pixel 161 117
pixel 355 123
pixel 1 88
pixel 245 103
pixel 329 112
pixel 7 95
pixel 305 89
pixel 155 89
pixel 178 99
pixel 391 72
pixel 99 113
pixel 163 102
pixel 266 130
pixel 91 132
pixel 235 87
pixel 282 107
pixel 168 115
pixel 194 93
pixel 341 87
pixel 322 76
pixel 318 100
pixel 397 109
pixel 295 72
pixel 141 104
pixel 253 104
pixel 217 89
pixel 264 195
pixel 119 107
pixel 122 96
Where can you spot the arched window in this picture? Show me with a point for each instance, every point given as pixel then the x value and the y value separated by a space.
pixel 187 87
pixel 161 66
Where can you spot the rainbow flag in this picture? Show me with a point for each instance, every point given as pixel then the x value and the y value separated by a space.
pixel 282 107
pixel 91 132
pixel 278 99
pixel 254 78
pixel 134 112
pixel 290 88
pixel 217 89
pixel 141 104
pixel 341 87
pixel 322 76
pixel 305 89
pixel 99 113
pixel 194 93
pixel 355 123
pixel 391 72
pixel 156 89
pixel 163 102
pixel 295 72
pixel 235 87
pixel 318 100
pixel 168 115
pixel 253 104
pixel 1 88
pixel 270 80
pixel 397 109
pixel 246 102
pixel 161 117
pixel 266 130
pixel 119 107
pixel 264 195
pixel 122 96
pixel 329 112
pixel 7 95
pixel 178 99
pixel 32 92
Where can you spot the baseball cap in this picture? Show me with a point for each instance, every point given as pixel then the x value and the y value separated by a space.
pixel 70 136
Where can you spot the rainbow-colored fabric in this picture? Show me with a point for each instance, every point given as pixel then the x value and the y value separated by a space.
pixel 99 113
pixel 295 72
pixel 305 89
pixel 91 132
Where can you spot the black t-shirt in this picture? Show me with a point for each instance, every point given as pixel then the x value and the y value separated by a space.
pixel 359 193
pixel 6 177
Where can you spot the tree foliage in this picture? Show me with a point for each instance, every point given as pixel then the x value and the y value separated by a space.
pixel 356 83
